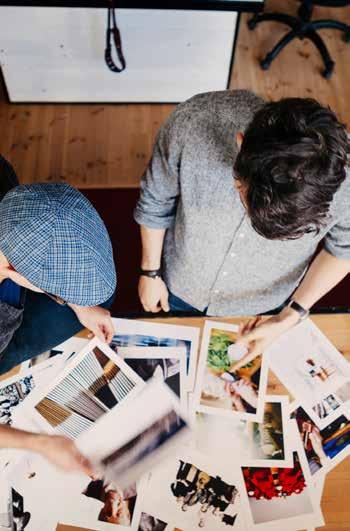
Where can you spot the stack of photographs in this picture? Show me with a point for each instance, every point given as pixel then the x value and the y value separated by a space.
pixel 180 439
pixel 134 333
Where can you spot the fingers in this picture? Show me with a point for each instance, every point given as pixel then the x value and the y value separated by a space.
pixel 247 327
pixel 109 329
pixel 145 306
pixel 85 466
pixel 155 308
pixel 164 301
pixel 254 350
pixel 98 332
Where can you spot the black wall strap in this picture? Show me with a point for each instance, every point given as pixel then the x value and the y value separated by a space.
pixel 113 31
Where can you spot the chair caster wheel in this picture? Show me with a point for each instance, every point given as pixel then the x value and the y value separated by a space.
pixel 252 23
pixel 265 64
pixel 327 73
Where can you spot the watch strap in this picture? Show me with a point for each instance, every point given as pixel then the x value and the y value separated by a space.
pixel 303 313
pixel 151 273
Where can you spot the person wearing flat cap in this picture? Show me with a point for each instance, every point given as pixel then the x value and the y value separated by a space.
pixel 57 275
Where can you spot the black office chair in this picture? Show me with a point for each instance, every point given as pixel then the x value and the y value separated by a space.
pixel 303 27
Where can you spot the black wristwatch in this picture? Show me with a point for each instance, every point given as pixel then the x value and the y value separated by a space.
pixel 151 273
pixel 303 314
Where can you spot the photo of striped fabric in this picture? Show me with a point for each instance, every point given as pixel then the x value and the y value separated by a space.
pixel 91 389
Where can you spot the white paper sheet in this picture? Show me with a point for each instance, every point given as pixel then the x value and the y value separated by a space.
pixel 313 370
pixel 145 333
pixel 253 444
pixel 220 391
pixel 131 439
pixel 91 383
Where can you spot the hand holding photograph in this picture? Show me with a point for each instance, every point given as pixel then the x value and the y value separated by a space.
pixel 221 389
pixel 129 441
pixel 248 443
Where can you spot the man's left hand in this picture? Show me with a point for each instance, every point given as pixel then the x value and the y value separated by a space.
pixel 97 320
pixel 257 334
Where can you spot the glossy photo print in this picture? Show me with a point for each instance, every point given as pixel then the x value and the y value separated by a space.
pixel 92 383
pixel 250 443
pixel 313 370
pixel 324 448
pixel 149 522
pixel 220 388
pixel 130 441
pixel 281 497
pixel 14 390
pixel 167 364
pixel 132 333
pixel 195 493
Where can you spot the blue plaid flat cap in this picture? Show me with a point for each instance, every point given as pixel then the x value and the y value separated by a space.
pixel 52 235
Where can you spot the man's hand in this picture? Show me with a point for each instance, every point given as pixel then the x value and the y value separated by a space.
pixel 97 320
pixel 257 334
pixel 62 453
pixel 153 294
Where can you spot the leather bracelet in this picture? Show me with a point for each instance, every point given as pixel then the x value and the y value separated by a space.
pixel 303 314
pixel 151 273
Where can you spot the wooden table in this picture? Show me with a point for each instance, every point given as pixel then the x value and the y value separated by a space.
pixel 336 494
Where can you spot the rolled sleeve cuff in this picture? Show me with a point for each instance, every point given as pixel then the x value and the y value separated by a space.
pixel 338 251
pixel 153 221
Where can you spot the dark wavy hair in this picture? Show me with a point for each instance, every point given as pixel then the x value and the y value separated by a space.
pixel 292 161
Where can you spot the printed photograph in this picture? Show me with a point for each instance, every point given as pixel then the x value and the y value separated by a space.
pixel 86 502
pixel 21 518
pixel 138 437
pixel 313 370
pixel 277 493
pixel 167 364
pixel 117 505
pixel 48 355
pixel 324 447
pixel 204 496
pixel 13 394
pixel 168 370
pixel 151 439
pixel 139 340
pixel 6 505
pixel 90 388
pixel 150 523
pixel 134 333
pixel 192 495
pixel 262 443
pixel 222 387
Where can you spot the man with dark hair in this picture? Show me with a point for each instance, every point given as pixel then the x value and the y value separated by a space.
pixel 235 200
